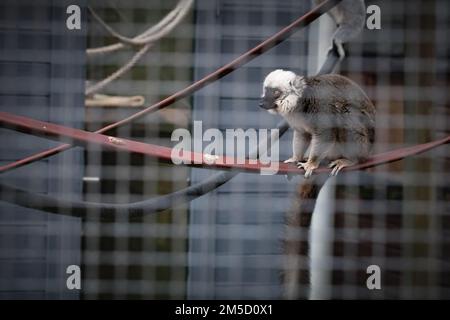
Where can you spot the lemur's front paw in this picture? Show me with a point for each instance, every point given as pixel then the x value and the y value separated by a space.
pixel 293 159
pixel 309 167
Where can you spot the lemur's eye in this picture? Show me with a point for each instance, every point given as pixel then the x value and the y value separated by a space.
pixel 276 93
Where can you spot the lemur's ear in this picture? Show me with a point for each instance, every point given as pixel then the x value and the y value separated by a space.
pixel 297 84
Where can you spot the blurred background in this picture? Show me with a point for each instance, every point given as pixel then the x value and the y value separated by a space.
pixel 227 243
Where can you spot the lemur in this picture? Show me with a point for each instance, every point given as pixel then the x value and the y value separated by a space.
pixel 349 16
pixel 333 120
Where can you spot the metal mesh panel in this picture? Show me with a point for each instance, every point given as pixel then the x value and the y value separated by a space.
pixel 227 243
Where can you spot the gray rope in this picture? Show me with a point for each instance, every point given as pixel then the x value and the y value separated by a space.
pixel 147 39
pixel 119 72
pixel 154 33
pixel 150 33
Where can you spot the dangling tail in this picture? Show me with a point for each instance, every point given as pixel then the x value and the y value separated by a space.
pixel 295 244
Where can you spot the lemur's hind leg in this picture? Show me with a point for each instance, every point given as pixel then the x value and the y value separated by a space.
pixel 338 49
pixel 321 144
pixel 335 54
pixel 343 34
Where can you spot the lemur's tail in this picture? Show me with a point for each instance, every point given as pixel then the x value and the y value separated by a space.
pixel 296 242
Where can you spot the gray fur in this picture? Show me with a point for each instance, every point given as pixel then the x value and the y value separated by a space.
pixel 349 16
pixel 330 114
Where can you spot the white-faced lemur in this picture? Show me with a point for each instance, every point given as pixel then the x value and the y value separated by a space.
pixel 349 16
pixel 333 120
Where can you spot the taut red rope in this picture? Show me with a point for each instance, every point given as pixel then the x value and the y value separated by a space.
pixel 82 138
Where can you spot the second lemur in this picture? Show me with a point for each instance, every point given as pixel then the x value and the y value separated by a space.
pixel 349 16
pixel 333 120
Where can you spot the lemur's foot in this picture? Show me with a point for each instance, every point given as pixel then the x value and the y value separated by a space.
pixel 292 160
pixel 338 49
pixel 309 167
pixel 339 164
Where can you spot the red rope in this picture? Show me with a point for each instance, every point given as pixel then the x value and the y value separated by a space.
pixel 82 138
pixel 219 73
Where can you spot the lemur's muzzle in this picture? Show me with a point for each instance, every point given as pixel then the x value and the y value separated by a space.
pixel 267 103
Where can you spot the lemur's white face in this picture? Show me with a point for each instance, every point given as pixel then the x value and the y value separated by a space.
pixel 277 94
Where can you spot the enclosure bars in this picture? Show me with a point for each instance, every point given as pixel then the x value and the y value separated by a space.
pixel 218 74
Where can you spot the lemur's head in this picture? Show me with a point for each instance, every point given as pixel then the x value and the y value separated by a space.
pixel 281 90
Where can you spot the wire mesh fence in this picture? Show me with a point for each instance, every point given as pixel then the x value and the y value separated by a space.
pixel 377 233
